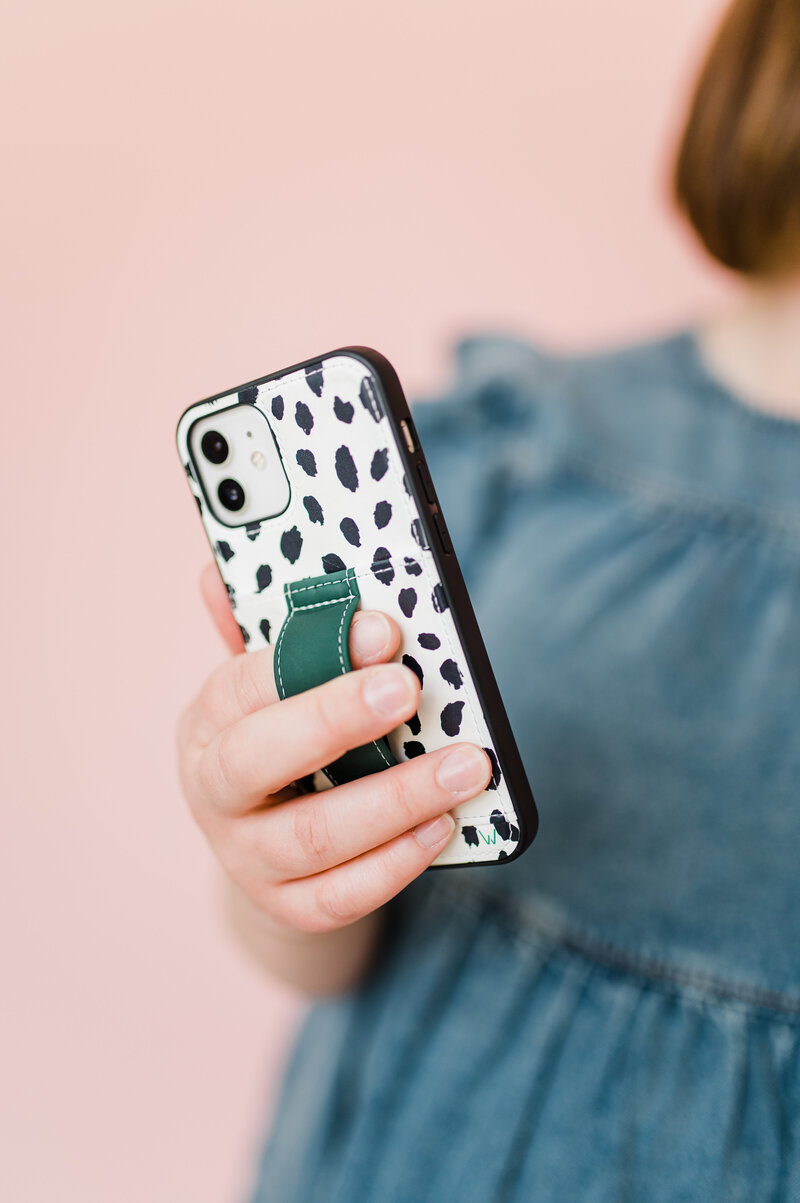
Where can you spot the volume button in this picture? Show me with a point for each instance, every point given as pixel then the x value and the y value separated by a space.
pixel 427 484
pixel 442 533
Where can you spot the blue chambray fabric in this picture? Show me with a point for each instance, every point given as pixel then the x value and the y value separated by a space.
pixel 615 1016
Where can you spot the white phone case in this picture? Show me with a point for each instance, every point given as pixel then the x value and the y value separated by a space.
pixel 351 507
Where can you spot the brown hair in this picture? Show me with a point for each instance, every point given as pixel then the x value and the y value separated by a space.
pixel 737 174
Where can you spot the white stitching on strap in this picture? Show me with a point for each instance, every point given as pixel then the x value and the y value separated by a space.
pixel 287 594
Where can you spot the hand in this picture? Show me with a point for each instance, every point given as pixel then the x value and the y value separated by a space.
pixel 316 862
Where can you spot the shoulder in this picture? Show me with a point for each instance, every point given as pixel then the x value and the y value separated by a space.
pixel 492 379
pixel 503 387
pixel 514 414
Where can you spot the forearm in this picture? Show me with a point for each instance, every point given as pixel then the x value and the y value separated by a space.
pixel 315 963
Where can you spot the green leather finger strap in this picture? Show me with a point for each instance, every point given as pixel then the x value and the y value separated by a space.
pixel 312 647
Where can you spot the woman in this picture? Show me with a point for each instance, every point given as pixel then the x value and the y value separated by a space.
pixel 615 1015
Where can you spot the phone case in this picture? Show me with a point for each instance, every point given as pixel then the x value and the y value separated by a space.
pixel 361 499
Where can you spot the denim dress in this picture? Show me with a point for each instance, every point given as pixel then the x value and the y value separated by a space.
pixel 614 1016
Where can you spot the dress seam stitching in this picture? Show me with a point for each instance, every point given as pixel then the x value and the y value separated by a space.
pixel 537 931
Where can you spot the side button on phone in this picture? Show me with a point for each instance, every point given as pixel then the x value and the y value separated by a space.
pixel 442 533
pixel 427 483
pixel 408 434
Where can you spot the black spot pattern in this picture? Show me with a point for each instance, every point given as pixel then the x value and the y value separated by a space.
pixel 307 462
pixel 411 663
pixel 449 672
pixel 199 504
pixel 407 600
pixel 418 534
pixel 496 774
pixel 451 718
pixel 304 417
pixel 349 529
pixel 383 514
pixel 439 599
pixel 314 378
pixel 313 509
pixel 231 594
pixel 382 565
pixel 506 830
pixel 346 469
pixel 380 462
pixel 343 410
pixel 369 399
pixel 406 485
pixel 297 545
pixel 291 544
pixel 412 748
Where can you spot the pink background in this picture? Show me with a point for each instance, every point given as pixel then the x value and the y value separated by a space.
pixel 196 194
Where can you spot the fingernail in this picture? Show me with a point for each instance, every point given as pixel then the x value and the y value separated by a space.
pixel 435 831
pixel 388 692
pixel 369 634
pixel 463 771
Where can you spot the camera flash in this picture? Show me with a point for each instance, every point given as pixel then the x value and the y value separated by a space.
pixel 258 459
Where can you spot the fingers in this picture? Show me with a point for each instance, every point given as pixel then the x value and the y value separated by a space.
pixel 215 595
pixel 246 683
pixel 341 895
pixel 316 832
pixel 274 745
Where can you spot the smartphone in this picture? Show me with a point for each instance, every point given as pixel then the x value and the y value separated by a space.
pixel 317 470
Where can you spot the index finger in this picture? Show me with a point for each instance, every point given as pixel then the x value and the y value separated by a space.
pixel 244 684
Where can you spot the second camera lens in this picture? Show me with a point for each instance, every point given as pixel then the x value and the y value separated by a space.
pixel 231 494
pixel 214 447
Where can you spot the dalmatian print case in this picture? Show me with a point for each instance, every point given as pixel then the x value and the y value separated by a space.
pixel 360 497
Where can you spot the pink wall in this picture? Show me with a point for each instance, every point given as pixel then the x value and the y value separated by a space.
pixel 195 194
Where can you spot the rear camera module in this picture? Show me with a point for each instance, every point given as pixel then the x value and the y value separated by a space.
pixel 215 448
pixel 230 492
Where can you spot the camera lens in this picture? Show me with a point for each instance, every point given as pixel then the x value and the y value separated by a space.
pixel 231 494
pixel 214 447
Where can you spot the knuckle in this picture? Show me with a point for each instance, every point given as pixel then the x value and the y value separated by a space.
pixel 335 905
pixel 219 775
pixel 401 863
pixel 295 908
pixel 311 832
pixel 402 796
pixel 253 684
pixel 339 715
pixel 328 714
pixel 212 695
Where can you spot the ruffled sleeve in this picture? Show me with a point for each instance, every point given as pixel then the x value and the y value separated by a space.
pixel 470 429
